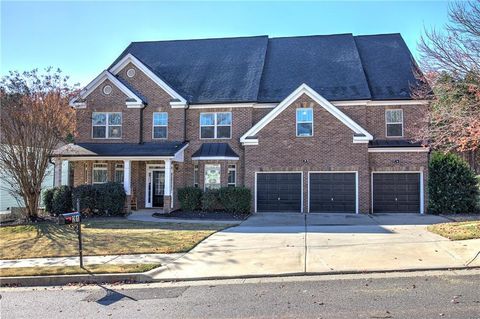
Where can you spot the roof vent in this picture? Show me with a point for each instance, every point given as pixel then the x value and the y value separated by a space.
pixel 131 73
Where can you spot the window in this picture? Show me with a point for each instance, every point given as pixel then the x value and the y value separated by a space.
pixel 304 122
pixel 394 120
pixel 196 175
pixel 216 125
pixel 107 125
pixel 160 124
pixel 119 173
pixel 232 175
pixel 212 176
pixel 99 173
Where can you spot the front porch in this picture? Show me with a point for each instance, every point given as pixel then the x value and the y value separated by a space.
pixel 147 180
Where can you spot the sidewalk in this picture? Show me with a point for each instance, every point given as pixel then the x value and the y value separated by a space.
pixel 90 260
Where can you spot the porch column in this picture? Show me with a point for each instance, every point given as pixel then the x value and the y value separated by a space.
pixel 167 192
pixel 126 176
pixel 168 178
pixel 57 172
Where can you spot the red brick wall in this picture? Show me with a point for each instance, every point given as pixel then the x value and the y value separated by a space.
pixel 330 149
pixel 158 101
pixel 414 116
pixel 97 101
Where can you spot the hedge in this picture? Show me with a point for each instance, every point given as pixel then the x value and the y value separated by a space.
pixel 99 199
pixel 190 198
pixel 61 200
pixel 452 186
pixel 211 201
pixel 236 200
pixel 48 200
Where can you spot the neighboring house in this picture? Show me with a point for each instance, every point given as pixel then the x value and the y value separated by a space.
pixel 309 124
pixel 8 201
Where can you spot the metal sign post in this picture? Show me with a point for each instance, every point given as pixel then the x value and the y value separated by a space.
pixel 74 219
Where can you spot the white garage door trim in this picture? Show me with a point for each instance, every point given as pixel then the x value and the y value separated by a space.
pixel 356 187
pixel 280 172
pixel 422 195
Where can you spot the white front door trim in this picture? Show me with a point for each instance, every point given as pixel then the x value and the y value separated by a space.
pixel 149 181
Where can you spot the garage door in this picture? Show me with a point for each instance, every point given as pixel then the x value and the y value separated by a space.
pixel 396 192
pixel 332 192
pixel 279 192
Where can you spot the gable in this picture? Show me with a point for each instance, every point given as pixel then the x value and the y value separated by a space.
pixel 132 100
pixel 177 99
pixel 359 134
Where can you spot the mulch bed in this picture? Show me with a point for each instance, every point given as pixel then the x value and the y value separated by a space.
pixel 202 215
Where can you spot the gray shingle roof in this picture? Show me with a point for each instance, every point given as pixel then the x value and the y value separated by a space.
pixel 215 150
pixel 120 149
pixel 259 69
pixel 393 143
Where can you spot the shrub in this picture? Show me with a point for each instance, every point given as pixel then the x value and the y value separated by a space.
pixel 452 186
pixel 48 200
pixel 86 194
pixel 235 199
pixel 61 200
pixel 190 198
pixel 210 200
pixel 109 199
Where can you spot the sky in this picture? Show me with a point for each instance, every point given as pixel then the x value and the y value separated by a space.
pixel 84 38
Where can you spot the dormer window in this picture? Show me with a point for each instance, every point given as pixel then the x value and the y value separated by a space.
pixel 304 122
pixel 394 123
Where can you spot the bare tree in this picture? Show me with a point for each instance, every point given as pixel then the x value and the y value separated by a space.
pixel 450 58
pixel 35 118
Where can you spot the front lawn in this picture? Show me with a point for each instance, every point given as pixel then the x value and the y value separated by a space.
pixel 457 230
pixel 101 237
pixel 74 270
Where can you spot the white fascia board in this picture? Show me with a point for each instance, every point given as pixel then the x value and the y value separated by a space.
pixel 305 89
pixel 105 75
pixel 114 158
pixel 180 154
pixel 399 150
pixel 129 58
pixel 397 102
pixel 221 105
pixel 215 158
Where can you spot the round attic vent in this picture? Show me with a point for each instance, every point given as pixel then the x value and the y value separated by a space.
pixel 107 89
pixel 131 73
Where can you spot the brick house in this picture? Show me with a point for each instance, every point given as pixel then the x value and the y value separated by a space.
pixel 309 124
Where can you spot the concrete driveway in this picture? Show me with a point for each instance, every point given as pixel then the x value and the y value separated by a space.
pixel 278 244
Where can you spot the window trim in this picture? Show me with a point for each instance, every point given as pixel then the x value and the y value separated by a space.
pixel 118 167
pixel 153 127
pixel 107 125
pixel 307 122
pixel 204 177
pixel 103 168
pixel 230 168
pixel 387 123
pixel 215 126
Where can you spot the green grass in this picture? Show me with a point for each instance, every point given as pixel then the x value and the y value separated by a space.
pixel 74 270
pixel 457 230
pixel 101 237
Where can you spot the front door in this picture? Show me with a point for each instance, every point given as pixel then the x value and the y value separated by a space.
pixel 155 187
pixel 158 188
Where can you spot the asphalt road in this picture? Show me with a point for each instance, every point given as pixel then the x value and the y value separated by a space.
pixel 426 295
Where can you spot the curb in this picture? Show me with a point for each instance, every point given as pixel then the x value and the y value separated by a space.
pixel 52 280
pixel 324 273
pixel 31 281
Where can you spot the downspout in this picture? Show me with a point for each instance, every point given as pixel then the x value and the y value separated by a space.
pixel 141 125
